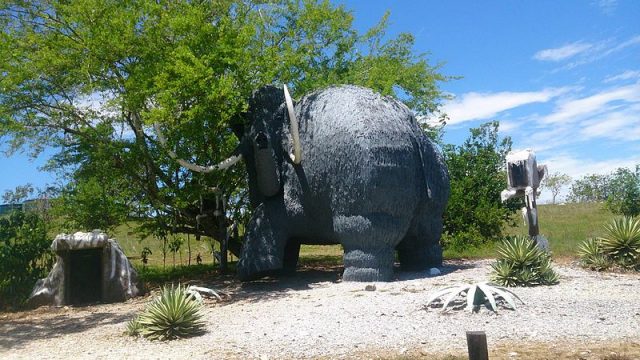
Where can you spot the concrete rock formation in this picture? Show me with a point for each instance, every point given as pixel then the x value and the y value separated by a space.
pixel 90 267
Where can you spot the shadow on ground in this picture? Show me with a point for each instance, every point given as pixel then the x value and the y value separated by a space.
pixel 17 332
pixel 307 277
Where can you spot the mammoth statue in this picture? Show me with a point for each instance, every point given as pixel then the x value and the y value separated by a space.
pixel 344 165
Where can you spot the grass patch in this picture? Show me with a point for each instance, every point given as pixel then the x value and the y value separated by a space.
pixel 154 276
pixel 566 227
pixel 132 244
pixel 315 255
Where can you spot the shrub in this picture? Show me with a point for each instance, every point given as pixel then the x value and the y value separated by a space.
pixel 621 241
pixel 174 314
pixel 475 215
pixel 591 255
pixel 521 263
pixel 25 256
pixel 620 246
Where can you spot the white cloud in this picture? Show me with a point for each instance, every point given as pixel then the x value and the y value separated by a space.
pixel 577 167
pixel 607 100
pixel 563 52
pixel 617 125
pixel 508 126
pixel 627 75
pixel 607 6
pixel 478 106
pixel 601 50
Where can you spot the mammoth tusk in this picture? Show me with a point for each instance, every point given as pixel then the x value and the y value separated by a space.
pixel 223 165
pixel 296 157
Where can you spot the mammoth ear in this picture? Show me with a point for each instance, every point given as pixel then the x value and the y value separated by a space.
pixel 267 173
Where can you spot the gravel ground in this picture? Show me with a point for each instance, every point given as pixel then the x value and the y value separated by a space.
pixel 314 315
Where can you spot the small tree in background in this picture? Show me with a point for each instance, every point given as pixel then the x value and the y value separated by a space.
pixel 590 188
pixel 475 213
pixel 624 192
pixel 555 182
pixel 620 190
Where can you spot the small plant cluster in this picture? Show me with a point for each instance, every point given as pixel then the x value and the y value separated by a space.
pixel 521 263
pixel 176 313
pixel 620 246
pixel 476 295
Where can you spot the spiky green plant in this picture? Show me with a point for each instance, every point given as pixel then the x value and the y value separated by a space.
pixel 174 314
pixel 591 255
pixel 476 295
pixel 133 327
pixel 521 263
pixel 621 241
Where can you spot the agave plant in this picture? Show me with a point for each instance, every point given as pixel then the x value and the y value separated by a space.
pixel 521 263
pixel 622 241
pixel 174 314
pixel 591 255
pixel 476 295
pixel 133 327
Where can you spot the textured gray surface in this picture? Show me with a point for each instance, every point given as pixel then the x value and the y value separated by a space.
pixel 369 179
pixel 119 278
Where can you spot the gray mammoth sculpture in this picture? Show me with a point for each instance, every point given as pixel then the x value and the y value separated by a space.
pixel 344 166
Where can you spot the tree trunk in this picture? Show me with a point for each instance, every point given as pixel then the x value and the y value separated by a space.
pixel 189 249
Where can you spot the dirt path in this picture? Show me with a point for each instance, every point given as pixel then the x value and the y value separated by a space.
pixel 314 315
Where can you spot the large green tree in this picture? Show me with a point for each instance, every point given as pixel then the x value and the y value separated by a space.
pixel 88 77
pixel 475 213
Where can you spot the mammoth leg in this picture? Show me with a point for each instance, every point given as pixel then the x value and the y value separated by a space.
pixel 263 248
pixel 291 255
pixel 420 249
pixel 368 243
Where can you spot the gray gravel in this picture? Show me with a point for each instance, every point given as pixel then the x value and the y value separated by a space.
pixel 314 315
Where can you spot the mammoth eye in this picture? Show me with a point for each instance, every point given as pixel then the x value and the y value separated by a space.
pixel 261 141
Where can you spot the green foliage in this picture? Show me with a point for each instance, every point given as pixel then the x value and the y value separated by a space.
pixel 619 246
pixel 475 213
pixel 133 327
pixel 521 263
pixel 157 275
pixel 174 314
pixel 624 192
pixel 621 241
pixel 620 190
pixel 144 255
pixel 590 188
pixel 18 195
pixel 25 256
pixel 174 246
pixel 88 77
pixel 591 255
pixel 88 204
pixel 476 295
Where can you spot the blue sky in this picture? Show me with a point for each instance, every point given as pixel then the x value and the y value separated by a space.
pixel 562 77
